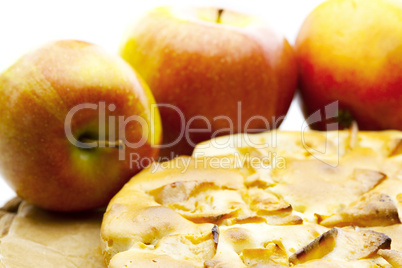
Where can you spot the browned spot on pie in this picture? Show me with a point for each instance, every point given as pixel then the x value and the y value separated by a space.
pixel 317 249
pixel 239 237
pixel 372 209
pixel 343 244
pixel 215 234
pixel 397 149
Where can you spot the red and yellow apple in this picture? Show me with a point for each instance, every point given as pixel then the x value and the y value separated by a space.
pixel 71 118
pixel 351 51
pixel 212 72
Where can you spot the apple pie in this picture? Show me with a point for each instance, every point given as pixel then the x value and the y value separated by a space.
pixel 275 199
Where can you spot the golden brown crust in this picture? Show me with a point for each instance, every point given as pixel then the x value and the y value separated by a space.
pixel 272 200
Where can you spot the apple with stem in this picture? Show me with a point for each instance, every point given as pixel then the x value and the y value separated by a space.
pixel 212 71
pixel 72 119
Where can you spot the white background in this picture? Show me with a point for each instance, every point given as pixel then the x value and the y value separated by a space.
pixel 28 24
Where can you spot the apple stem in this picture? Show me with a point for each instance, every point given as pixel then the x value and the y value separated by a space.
pixel 218 19
pixel 345 118
pixel 119 144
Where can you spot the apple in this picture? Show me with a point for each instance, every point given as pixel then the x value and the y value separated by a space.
pixel 350 51
pixel 212 71
pixel 72 119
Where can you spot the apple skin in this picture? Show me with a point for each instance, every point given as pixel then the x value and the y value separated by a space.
pixel 351 51
pixel 204 68
pixel 36 93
